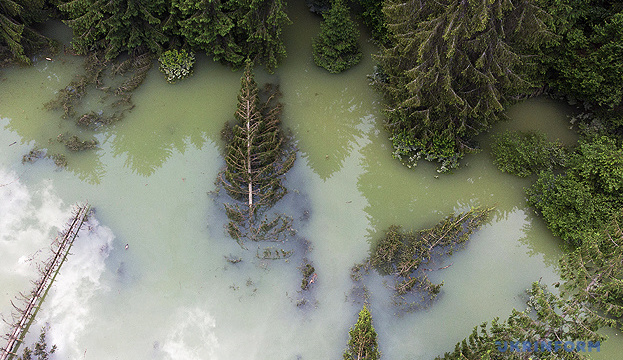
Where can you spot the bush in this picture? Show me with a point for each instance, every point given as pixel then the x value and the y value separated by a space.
pixel 176 65
pixel 586 196
pixel 523 154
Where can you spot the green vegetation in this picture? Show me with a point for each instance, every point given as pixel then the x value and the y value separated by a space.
pixel 18 38
pixel 547 318
pixel 336 48
pixel 587 195
pixel 176 65
pixel 408 257
pixel 586 60
pixel 524 154
pixel 40 349
pixel 73 143
pixel 449 69
pixel 116 26
pixel 257 159
pixel 309 274
pixel 374 19
pixel 232 30
pixel 362 343
pixel 594 275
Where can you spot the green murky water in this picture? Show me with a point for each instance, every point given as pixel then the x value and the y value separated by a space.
pixel 172 295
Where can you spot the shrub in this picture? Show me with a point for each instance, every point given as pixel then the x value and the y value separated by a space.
pixel 176 65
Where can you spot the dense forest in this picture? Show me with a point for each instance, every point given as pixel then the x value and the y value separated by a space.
pixel 446 70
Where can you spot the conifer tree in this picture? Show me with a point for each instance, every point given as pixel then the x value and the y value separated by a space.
pixel 116 26
pixel 336 48
pixel 257 159
pixel 208 26
pixel 261 24
pixel 232 30
pixel 548 319
pixel 449 69
pixel 362 342
pixel 593 273
pixel 17 38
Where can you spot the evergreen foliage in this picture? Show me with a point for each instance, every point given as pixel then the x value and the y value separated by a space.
pixel 586 60
pixel 336 48
pixel 209 26
pixel 523 154
pixel 116 25
pixel 449 69
pixel 257 159
pixel 594 273
pixel 232 30
pixel 40 349
pixel 407 256
pixel 362 342
pixel 548 318
pixel 176 65
pixel 374 19
pixel 18 40
pixel 587 195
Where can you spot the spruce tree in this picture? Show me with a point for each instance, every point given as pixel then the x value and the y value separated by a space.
pixel 449 69
pixel 549 318
pixel 336 48
pixel 232 30
pixel 593 273
pixel 17 38
pixel 115 26
pixel 362 342
pixel 257 159
pixel 208 26
pixel 262 24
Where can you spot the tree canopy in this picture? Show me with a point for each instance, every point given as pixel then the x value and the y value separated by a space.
pixel 362 343
pixel 585 61
pixel 257 159
pixel 17 37
pixel 586 196
pixel 336 48
pixel 450 67
pixel 116 26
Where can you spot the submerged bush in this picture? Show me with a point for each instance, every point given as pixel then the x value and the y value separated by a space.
pixel 176 65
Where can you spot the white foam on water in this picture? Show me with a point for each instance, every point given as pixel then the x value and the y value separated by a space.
pixel 192 337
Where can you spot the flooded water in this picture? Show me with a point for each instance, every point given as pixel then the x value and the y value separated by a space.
pixel 172 295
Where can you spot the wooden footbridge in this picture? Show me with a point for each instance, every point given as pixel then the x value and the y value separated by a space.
pixel 32 302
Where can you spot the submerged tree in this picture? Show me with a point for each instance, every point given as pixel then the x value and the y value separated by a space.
pixel 408 257
pixel 362 343
pixel 593 273
pixel 450 67
pixel 257 158
pixel 40 350
pixel 336 48
pixel 538 332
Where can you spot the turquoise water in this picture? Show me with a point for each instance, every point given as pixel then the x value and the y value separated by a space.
pixel 172 294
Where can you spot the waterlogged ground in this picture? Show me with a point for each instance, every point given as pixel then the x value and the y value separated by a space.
pixel 172 294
